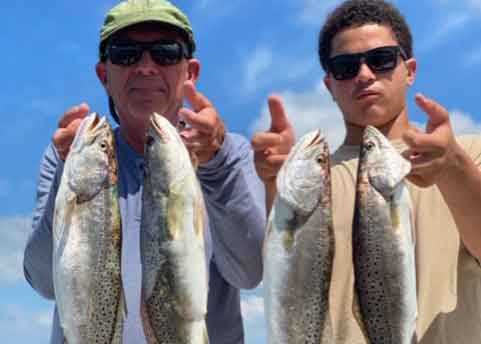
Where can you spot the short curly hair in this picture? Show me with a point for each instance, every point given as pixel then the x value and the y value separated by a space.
pixel 355 13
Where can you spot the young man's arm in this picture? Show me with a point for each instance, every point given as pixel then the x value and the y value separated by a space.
pixel 439 159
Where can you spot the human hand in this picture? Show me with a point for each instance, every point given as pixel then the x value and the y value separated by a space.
pixel 206 131
pixel 272 147
pixel 67 128
pixel 430 153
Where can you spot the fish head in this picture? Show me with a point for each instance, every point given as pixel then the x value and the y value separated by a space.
pixel 165 153
pixel 305 175
pixel 91 164
pixel 386 167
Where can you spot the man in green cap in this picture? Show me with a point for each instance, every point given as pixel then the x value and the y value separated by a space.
pixel 147 65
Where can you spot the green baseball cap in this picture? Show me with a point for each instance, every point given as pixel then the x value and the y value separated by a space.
pixel 132 12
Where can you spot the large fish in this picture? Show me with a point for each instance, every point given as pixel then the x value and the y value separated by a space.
pixel 87 239
pixel 174 268
pixel 299 248
pixel 383 244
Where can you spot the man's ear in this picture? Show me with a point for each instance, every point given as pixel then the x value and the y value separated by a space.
pixel 327 83
pixel 101 73
pixel 411 66
pixel 193 70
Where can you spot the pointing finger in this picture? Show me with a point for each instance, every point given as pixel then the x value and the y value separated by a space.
pixel 196 99
pixel 279 121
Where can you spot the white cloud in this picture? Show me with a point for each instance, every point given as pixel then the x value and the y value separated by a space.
pixel 308 111
pixel 14 232
pixel 266 67
pixel 445 28
pixel 16 320
pixel 252 307
pixel 463 123
pixel 312 12
pixel 256 68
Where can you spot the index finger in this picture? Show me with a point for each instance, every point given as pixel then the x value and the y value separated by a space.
pixel 76 112
pixel 196 99
pixel 279 121
pixel 436 112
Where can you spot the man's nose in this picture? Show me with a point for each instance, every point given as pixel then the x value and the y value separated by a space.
pixel 365 73
pixel 146 65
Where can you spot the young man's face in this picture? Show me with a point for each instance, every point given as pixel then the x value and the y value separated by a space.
pixel 370 98
pixel 145 87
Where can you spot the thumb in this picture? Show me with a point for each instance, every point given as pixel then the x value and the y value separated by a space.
pixel 197 100
pixel 279 120
pixel 436 113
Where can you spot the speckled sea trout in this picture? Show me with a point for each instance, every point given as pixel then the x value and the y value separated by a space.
pixel 87 239
pixel 174 268
pixel 383 244
pixel 299 248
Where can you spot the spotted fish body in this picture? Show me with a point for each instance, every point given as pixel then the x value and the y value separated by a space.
pixel 87 239
pixel 299 248
pixel 174 268
pixel 383 244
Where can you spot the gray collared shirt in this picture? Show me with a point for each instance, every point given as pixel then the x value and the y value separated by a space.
pixel 234 199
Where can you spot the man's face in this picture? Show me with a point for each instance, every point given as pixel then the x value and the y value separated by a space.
pixel 370 98
pixel 145 87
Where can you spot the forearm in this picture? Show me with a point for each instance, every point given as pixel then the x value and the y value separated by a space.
pixel 38 251
pixel 460 185
pixel 234 197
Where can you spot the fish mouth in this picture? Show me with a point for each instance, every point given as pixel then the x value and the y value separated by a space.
pixel 157 123
pixel 316 140
pixel 96 124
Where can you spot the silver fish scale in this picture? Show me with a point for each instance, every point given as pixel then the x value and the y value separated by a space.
pixel 174 275
pixel 376 270
pixel 382 256
pixel 87 239
pixel 299 250
pixel 161 308
pixel 107 293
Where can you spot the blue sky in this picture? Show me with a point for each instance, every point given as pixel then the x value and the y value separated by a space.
pixel 248 49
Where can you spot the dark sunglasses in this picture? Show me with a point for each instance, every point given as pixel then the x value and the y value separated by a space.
pixel 163 52
pixel 383 59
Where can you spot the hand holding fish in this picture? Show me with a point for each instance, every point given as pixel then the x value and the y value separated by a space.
pixel 430 153
pixel 67 128
pixel 205 134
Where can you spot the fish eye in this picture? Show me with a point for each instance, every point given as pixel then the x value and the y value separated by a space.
pixel 369 145
pixel 321 159
pixel 103 145
pixel 150 140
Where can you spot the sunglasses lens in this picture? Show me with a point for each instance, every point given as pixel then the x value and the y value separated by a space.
pixel 344 67
pixel 124 54
pixel 381 60
pixel 167 53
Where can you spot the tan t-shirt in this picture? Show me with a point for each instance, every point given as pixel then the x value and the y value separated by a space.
pixel 448 277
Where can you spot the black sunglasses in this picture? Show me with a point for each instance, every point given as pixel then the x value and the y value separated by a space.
pixel 383 59
pixel 163 52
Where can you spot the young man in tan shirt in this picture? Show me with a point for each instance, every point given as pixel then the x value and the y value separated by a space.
pixel 365 48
